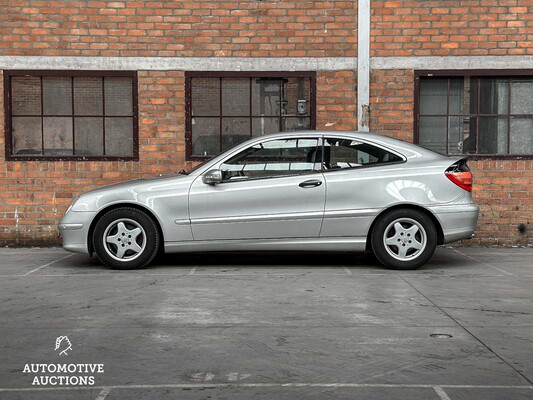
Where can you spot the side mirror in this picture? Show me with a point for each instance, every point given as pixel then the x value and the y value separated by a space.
pixel 212 177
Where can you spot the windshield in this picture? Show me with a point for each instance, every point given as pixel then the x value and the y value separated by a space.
pixel 183 172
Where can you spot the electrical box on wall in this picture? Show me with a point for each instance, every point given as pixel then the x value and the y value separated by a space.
pixel 302 107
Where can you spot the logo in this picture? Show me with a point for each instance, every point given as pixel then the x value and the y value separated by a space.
pixel 62 342
pixel 63 374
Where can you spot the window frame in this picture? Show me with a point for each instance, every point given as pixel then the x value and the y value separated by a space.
pixel 470 74
pixel 189 75
pixel 8 74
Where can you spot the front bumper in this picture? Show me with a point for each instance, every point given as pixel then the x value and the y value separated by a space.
pixel 74 229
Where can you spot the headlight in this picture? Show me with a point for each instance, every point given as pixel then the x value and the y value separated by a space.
pixel 72 204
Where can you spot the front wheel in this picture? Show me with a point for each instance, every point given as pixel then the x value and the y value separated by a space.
pixel 404 239
pixel 126 238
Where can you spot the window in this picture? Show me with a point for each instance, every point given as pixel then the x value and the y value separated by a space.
pixel 272 158
pixel 349 153
pixel 88 115
pixel 483 115
pixel 224 109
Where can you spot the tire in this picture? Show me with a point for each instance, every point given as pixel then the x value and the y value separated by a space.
pixel 126 238
pixel 404 239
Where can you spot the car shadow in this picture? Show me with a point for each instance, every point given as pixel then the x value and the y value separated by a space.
pixel 243 259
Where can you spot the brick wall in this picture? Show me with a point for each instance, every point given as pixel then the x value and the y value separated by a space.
pixel 36 193
pixel 391 103
pixel 336 100
pixel 199 28
pixel 442 28
pixel 503 190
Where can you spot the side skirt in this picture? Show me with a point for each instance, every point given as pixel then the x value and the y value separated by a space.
pixel 307 244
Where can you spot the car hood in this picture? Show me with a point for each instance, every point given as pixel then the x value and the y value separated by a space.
pixel 134 191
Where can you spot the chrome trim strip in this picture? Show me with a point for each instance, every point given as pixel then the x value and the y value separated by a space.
pixel 258 218
pixel 70 227
pixel 368 212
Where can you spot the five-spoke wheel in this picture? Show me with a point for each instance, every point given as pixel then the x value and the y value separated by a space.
pixel 404 239
pixel 126 238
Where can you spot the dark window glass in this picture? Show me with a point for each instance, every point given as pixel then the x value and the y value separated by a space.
pixel 72 116
pixel 476 115
pixel 348 153
pixel 272 158
pixel 226 110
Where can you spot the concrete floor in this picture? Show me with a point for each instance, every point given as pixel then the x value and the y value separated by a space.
pixel 272 326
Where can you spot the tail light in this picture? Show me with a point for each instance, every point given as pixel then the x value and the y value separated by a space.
pixel 460 174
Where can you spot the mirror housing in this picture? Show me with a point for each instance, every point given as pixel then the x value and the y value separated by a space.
pixel 212 177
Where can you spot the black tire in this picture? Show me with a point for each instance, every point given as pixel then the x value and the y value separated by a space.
pixel 404 239
pixel 126 238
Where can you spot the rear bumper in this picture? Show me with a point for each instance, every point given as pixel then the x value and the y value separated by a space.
pixel 458 221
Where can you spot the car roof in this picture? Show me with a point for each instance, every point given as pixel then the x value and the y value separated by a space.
pixel 396 144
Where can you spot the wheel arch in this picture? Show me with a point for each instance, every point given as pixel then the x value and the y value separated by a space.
pixel 150 213
pixel 436 223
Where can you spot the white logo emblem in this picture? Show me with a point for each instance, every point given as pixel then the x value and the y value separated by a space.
pixel 63 340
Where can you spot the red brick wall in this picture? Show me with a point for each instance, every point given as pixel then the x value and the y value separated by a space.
pixel 336 100
pixel 391 103
pixel 442 28
pixel 179 28
pixel 503 190
pixel 35 193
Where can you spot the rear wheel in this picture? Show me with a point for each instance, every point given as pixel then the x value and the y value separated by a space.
pixel 404 239
pixel 126 238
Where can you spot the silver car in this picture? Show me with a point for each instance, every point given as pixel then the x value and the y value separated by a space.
pixel 298 191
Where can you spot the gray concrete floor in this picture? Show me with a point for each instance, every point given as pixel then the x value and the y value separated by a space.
pixel 286 326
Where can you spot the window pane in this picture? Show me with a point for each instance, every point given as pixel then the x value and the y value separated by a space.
pixel 234 131
pixel 469 145
pixel 27 138
pixel 459 129
pixel 205 96
pixel 432 133
pixel 521 135
pixel 205 136
pixel 493 96
pixel 119 137
pixel 235 96
pixel 433 96
pixel 294 90
pixel 26 95
pixel 57 96
pixel 522 96
pixel 57 133
pixel 89 136
pixel 272 158
pixel 118 96
pixel 296 124
pixel 348 153
pixel 492 135
pixel 265 125
pixel 266 95
pixel 88 98
pixel 457 98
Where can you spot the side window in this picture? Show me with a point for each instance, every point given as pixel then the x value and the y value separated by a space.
pixel 279 157
pixel 348 153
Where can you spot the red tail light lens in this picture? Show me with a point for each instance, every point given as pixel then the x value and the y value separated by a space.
pixel 460 174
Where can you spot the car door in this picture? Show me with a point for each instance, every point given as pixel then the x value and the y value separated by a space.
pixel 353 170
pixel 271 189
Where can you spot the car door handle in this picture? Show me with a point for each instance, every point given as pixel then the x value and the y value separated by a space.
pixel 310 183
